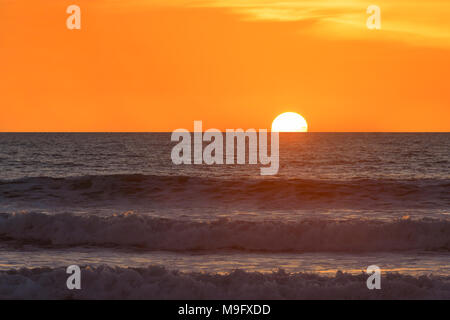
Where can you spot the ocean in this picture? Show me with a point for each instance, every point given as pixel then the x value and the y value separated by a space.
pixel 142 227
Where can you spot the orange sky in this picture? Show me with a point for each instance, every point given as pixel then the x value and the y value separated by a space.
pixel 143 65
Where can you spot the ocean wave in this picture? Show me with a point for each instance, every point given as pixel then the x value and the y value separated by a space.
pixel 151 233
pixel 156 282
pixel 184 191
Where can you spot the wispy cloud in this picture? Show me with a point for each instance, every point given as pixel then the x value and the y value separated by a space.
pixel 417 21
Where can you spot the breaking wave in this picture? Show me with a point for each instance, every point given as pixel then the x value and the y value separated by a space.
pixel 154 282
pixel 185 191
pixel 151 233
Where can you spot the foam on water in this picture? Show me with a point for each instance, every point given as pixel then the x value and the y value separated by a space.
pixel 155 282
pixel 339 202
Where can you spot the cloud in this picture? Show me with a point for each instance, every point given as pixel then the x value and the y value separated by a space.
pixel 416 22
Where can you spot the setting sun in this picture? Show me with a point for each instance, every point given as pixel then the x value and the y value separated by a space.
pixel 289 122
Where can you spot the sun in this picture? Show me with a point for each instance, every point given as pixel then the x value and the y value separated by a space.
pixel 289 122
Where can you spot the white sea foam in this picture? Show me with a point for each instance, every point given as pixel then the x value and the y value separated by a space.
pixel 159 283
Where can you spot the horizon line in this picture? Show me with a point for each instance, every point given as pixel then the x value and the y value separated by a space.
pixel 7 132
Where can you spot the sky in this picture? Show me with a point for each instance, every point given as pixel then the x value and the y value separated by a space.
pixel 154 65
